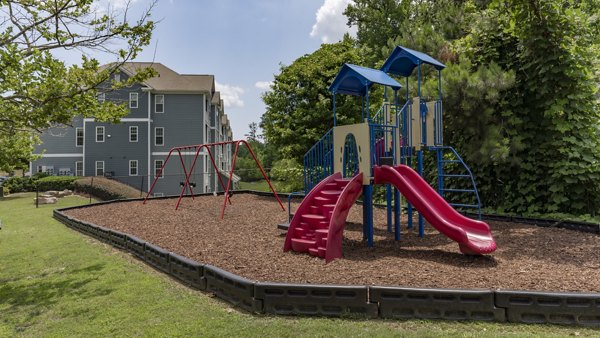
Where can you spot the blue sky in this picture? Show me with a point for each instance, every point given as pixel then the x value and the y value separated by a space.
pixel 241 42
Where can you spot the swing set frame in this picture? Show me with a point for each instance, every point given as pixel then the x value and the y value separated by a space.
pixel 208 146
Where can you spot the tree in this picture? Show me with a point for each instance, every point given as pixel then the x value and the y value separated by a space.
pixel 37 89
pixel 299 108
pixel 253 133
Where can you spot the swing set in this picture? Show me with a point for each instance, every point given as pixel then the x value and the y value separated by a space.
pixel 187 185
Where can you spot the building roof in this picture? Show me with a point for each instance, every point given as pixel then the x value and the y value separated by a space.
pixel 216 98
pixel 355 80
pixel 403 61
pixel 170 81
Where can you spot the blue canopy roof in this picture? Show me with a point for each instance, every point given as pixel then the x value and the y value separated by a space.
pixel 403 61
pixel 355 80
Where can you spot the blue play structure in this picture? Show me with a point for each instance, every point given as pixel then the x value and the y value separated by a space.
pixel 397 134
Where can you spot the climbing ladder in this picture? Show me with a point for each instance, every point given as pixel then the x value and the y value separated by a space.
pixel 455 180
pixel 318 224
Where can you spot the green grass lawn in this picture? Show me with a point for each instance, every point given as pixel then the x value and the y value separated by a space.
pixel 56 282
pixel 261 185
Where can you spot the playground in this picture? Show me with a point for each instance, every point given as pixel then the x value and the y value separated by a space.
pixel 362 244
pixel 425 235
pixel 246 243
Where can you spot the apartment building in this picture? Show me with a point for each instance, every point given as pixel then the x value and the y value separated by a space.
pixel 165 111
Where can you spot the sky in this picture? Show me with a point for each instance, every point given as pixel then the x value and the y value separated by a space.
pixel 241 42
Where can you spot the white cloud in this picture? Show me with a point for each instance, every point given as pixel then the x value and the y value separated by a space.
pixel 231 95
pixel 263 85
pixel 331 21
pixel 121 4
pixel 102 7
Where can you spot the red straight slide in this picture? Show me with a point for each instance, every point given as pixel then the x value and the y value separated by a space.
pixel 473 237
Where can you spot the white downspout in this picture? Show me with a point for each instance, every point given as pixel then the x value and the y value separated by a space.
pixel 149 151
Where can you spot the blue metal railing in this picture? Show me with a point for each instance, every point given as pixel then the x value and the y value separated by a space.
pixel 318 161
pixel 442 176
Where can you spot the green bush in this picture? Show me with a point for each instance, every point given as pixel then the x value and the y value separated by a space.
pixel 5 191
pixel 56 183
pixel 247 169
pixel 20 184
pixel 105 189
pixel 289 174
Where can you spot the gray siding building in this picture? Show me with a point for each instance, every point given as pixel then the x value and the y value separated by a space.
pixel 166 111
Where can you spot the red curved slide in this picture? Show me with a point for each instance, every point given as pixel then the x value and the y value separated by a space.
pixel 473 237
pixel 318 224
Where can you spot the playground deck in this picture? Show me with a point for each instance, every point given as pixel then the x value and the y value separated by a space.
pixel 247 243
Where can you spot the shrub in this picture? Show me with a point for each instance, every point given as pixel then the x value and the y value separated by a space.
pixel 56 183
pixel 5 191
pixel 247 169
pixel 105 189
pixel 20 184
pixel 289 175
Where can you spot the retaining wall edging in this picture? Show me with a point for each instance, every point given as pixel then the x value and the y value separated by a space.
pixel 363 301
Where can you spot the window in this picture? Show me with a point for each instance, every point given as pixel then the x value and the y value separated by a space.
pixel 158 194
pixel 159 104
pixel 159 136
pixel 133 134
pixel 157 166
pixel 117 77
pixel 133 168
pixel 49 170
pixel 79 137
pixel 99 168
pixel 79 168
pixel 133 100
pixel 40 169
pixel 101 97
pixel 99 134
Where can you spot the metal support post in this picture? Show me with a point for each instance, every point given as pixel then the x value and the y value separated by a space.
pixel 420 168
pixel 368 214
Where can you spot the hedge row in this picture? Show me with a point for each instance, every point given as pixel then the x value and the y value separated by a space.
pixel 40 181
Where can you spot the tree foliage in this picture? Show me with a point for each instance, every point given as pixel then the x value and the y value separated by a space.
pixel 299 106
pixel 37 89
pixel 521 99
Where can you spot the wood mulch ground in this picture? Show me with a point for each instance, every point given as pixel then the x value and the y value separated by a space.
pixel 247 242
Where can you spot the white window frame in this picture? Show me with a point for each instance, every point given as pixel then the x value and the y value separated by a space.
pixel 132 100
pixel 133 167
pixel 158 194
pixel 131 133
pixel 77 137
pixel 101 97
pixel 156 136
pixel 117 77
pixel 156 104
pixel 96 168
pixel 78 171
pixel 103 133
pixel 157 168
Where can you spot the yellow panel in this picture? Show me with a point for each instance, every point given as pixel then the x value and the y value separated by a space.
pixel 361 134
pixel 429 123
pixel 416 124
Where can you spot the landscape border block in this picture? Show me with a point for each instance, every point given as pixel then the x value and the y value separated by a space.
pixel 550 307
pixel 425 303
pixel 370 301
pixel 187 271
pixel 157 257
pixel 232 288
pixel 315 300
